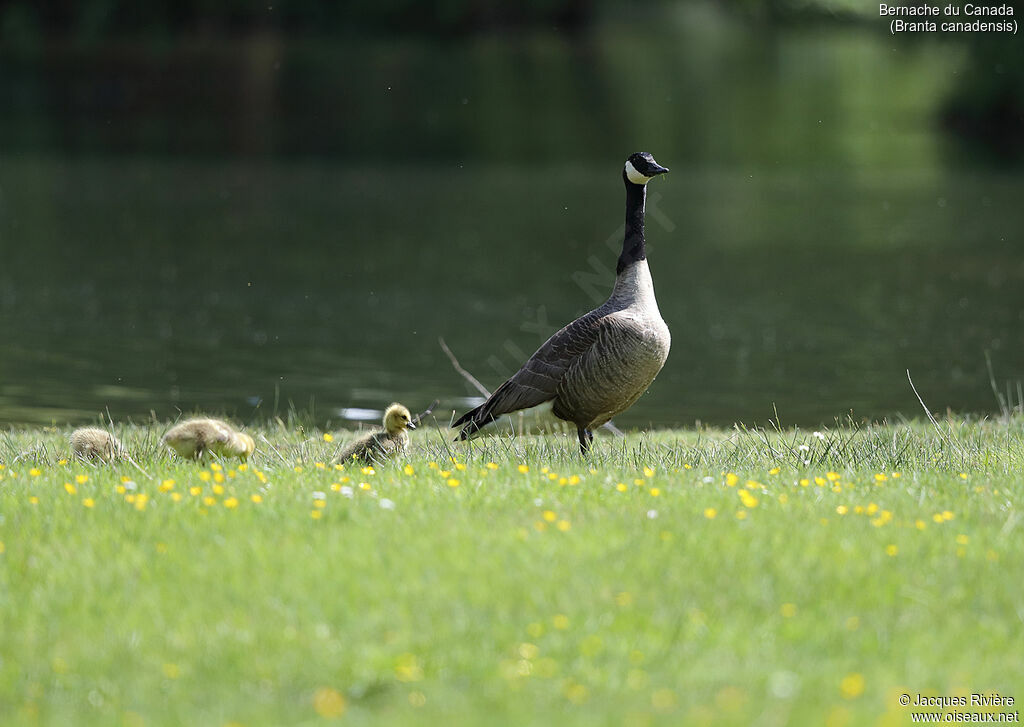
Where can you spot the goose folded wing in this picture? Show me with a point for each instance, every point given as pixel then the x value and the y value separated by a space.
pixel 539 378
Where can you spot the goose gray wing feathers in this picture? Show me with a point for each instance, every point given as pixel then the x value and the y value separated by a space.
pixel 540 378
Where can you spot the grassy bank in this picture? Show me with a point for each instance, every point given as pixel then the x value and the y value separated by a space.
pixel 680 577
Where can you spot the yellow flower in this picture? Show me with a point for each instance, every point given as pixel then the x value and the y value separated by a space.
pixel 231 503
pixel 523 468
pixel 141 500
pixel 432 465
pixel 166 486
pixel 655 492
pixel 947 515
pixel 243 467
pixel 563 525
pixel 621 487
pixel 2 548
pixel 775 470
pixel 891 550
pixel 328 437
pixel 368 471
pixel 842 509
pixel 88 502
pixel 492 466
pixel 327 702
pixel 788 610
pixel 832 476
pixel 648 472
pixel 408 470
pixel 731 479
pixel 851 686
pixel 297 469
pixel 563 481
pixel 963 475
pixel 257 498
pixel 881 477
pixel 70 488
pixel 318 504
pixel 820 481
pixel 320 466
pixel 804 482
pixel 920 524
pixel 33 500
pixel 195 490
pixel 218 489
pixel 549 515
pixel 209 501
pixel 962 539
pixel 445 473
pixel 710 513
pixel 560 621
pixel 639 482
pixel 741 514
pixel 81 479
pixel 62 462
pixel 460 466
pixel 34 472
pixel 452 482
pixel 176 496
pixel 783 498
pixel 365 486
pixel 315 514
pixel 204 476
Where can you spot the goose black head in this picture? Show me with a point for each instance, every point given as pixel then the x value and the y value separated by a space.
pixel 640 168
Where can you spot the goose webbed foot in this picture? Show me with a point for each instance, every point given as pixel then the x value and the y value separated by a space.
pixel 586 438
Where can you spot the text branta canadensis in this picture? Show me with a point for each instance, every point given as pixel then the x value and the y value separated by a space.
pixel 93 443
pixel 601 363
pixel 378 446
pixel 194 438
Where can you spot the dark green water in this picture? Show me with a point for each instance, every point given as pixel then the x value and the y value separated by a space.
pixel 816 238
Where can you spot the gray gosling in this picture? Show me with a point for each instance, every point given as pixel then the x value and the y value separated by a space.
pixel 92 443
pixel 379 446
pixel 194 438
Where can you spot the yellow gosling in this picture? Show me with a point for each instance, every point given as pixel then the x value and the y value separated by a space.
pixel 194 438
pixel 92 443
pixel 384 444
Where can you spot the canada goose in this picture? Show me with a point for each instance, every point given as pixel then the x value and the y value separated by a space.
pixel 93 443
pixel 192 439
pixel 601 363
pixel 378 446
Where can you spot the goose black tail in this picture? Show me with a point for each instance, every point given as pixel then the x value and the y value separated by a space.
pixel 472 422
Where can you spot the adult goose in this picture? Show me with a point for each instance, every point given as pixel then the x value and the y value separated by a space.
pixel 598 365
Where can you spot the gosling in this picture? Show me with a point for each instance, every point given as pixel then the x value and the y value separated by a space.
pixel 92 443
pixel 379 446
pixel 194 438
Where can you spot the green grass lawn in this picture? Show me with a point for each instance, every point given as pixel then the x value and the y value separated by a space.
pixel 682 578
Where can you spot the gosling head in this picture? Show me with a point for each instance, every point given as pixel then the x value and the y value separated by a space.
pixel 641 168
pixel 248 444
pixel 397 418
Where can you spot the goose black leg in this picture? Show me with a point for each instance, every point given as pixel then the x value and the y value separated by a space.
pixel 586 437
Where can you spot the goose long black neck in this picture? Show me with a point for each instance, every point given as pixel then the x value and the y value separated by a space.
pixel 634 248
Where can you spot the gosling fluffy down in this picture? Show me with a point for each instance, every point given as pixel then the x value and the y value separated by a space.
pixel 385 444
pixel 93 443
pixel 192 439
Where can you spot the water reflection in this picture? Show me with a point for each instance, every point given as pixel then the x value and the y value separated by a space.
pixel 809 246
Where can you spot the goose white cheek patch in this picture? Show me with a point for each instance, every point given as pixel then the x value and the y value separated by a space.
pixel 634 176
